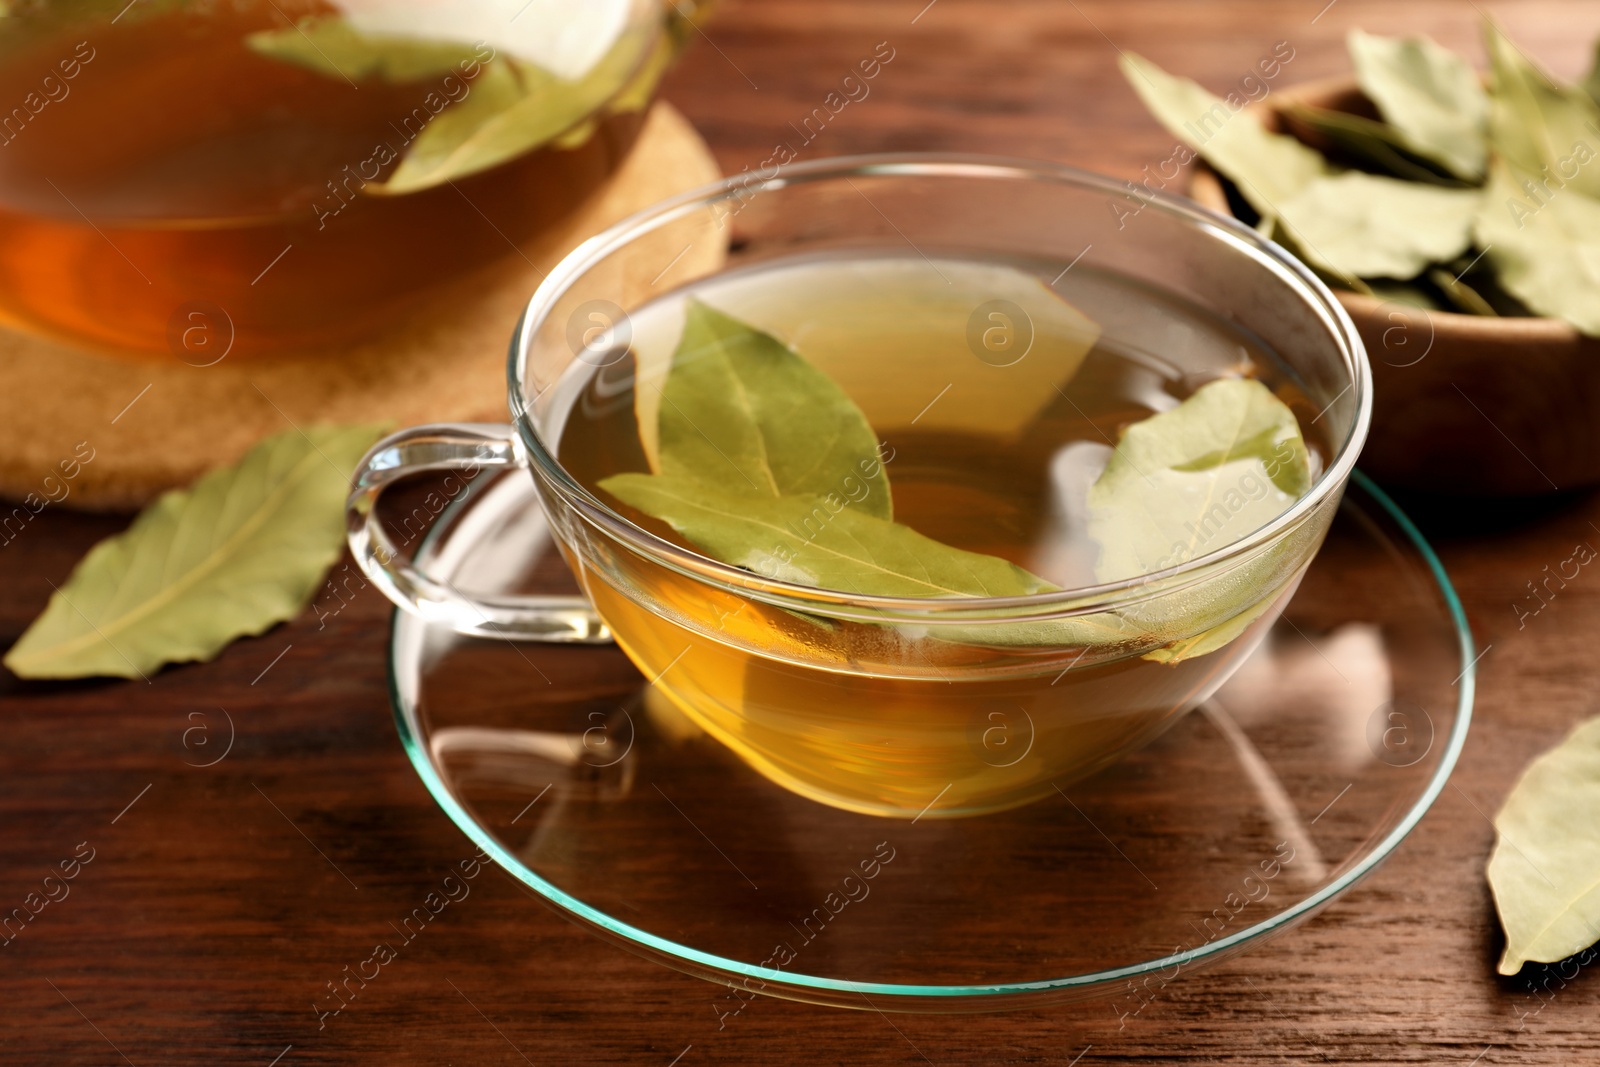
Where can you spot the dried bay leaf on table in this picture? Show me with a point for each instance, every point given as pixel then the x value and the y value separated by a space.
pixel 1376 227
pixel 1547 255
pixel 1430 96
pixel 1545 868
pixel 1541 129
pixel 239 552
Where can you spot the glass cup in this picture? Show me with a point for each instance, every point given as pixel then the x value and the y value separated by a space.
pixel 895 706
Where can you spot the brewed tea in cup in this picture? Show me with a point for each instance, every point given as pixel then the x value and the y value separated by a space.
pixel 941 487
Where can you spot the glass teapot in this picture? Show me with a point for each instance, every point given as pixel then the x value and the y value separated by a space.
pixel 309 168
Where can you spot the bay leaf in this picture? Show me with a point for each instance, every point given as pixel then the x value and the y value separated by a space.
pixel 754 444
pixel 564 37
pixel 1272 228
pixel 1374 143
pixel 1545 132
pixel 799 538
pixel 1216 638
pixel 742 410
pixel 1429 95
pixel 239 552
pixel 1407 294
pixel 802 539
pixel 1181 483
pixel 1350 224
pixel 1545 253
pixel 1462 296
pixel 1267 167
pixel 1371 226
pixel 1545 868
pixel 1189 481
pixel 1225 462
pixel 854 314
pixel 331 46
pixel 513 107
pixel 640 89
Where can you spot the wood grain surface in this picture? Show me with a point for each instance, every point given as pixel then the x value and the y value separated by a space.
pixel 221 899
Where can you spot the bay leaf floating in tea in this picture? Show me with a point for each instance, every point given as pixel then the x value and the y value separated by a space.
pixel 332 47
pixel 1225 462
pixel 514 107
pixel 852 552
pixel 1181 484
pixel 744 412
pixel 752 440
pixel 1042 338
pixel 511 79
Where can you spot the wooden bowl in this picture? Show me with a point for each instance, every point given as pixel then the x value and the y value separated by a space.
pixel 1462 404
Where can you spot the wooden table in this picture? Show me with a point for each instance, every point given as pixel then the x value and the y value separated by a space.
pixel 221 899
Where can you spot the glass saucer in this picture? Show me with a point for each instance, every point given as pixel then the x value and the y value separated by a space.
pixel 1304 773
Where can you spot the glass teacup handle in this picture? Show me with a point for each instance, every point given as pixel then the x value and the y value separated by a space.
pixel 465 447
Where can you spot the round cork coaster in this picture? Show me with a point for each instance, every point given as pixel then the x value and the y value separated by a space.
pixel 85 430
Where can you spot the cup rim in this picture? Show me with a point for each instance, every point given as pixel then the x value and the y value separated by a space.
pixel 1077 600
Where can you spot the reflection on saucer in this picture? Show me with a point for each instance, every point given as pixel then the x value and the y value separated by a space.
pixel 1303 773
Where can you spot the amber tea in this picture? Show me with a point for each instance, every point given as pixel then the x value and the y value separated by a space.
pixel 934 429
pixel 305 169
